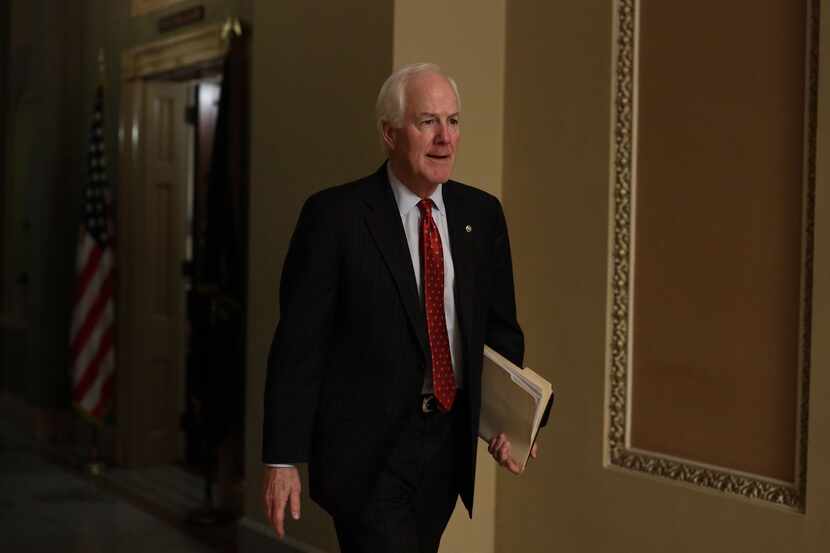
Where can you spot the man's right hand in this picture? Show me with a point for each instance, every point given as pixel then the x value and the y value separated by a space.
pixel 281 485
pixel 499 448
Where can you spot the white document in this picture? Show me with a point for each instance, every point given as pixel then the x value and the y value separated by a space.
pixel 513 401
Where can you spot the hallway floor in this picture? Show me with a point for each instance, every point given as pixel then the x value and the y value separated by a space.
pixel 46 508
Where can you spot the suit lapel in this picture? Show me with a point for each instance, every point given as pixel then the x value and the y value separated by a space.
pixel 384 222
pixel 460 244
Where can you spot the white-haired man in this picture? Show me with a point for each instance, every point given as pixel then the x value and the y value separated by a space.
pixel 391 287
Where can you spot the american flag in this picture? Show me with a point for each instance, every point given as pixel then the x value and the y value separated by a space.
pixel 92 337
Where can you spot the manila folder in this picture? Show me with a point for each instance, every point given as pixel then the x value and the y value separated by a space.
pixel 513 401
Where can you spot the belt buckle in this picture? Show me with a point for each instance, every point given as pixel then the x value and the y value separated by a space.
pixel 428 404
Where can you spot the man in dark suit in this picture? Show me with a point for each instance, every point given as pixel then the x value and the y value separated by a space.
pixel 391 287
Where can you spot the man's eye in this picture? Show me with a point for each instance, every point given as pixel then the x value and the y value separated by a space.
pixel 427 121
pixel 454 122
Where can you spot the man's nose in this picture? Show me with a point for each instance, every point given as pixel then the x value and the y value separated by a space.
pixel 443 134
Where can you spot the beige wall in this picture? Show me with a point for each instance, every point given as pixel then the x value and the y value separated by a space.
pixel 315 75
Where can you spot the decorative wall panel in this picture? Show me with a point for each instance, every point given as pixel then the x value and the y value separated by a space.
pixel 710 276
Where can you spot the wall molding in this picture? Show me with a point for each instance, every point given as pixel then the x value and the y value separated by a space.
pixel 202 45
pixel 617 451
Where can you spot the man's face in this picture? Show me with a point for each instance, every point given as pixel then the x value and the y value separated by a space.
pixel 422 151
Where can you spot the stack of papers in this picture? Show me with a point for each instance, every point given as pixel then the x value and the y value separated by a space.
pixel 515 401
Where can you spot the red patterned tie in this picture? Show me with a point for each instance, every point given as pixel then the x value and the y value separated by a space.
pixel 432 280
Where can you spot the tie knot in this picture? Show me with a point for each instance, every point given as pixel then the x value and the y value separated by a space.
pixel 426 207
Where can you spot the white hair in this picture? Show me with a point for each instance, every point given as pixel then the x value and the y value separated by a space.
pixel 391 103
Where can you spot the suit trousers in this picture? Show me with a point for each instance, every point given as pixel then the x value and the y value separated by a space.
pixel 417 490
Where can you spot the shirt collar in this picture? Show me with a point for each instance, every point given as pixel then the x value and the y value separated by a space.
pixel 406 199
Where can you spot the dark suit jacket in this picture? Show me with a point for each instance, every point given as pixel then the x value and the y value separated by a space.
pixel 347 360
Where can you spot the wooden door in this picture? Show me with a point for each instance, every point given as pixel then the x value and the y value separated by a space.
pixel 152 393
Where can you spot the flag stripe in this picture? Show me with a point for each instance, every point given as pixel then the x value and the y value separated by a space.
pixel 104 398
pixel 91 346
pixel 87 270
pixel 88 291
pixel 88 371
pixel 91 320
pixel 85 247
pixel 93 396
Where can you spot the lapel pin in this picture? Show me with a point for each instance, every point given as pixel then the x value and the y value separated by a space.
pixel 468 228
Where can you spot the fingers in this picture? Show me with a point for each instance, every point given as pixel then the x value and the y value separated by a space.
pixel 282 486
pixel 499 448
pixel 513 466
pixel 275 499
pixel 295 503
pixel 503 453
pixel 267 495
pixel 278 517
pixel 504 459
pixel 496 444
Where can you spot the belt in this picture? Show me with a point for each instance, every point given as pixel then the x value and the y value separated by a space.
pixel 430 405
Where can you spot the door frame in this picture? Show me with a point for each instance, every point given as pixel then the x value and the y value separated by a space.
pixel 200 47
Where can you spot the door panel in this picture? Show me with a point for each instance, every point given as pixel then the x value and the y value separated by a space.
pixel 155 314
pixel 166 186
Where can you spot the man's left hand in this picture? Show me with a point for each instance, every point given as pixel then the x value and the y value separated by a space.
pixel 499 448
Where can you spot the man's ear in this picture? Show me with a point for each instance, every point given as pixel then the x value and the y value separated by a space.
pixel 390 136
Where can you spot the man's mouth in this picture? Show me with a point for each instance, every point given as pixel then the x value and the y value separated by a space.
pixel 438 156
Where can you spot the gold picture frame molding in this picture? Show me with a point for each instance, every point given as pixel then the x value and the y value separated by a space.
pixel 618 454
